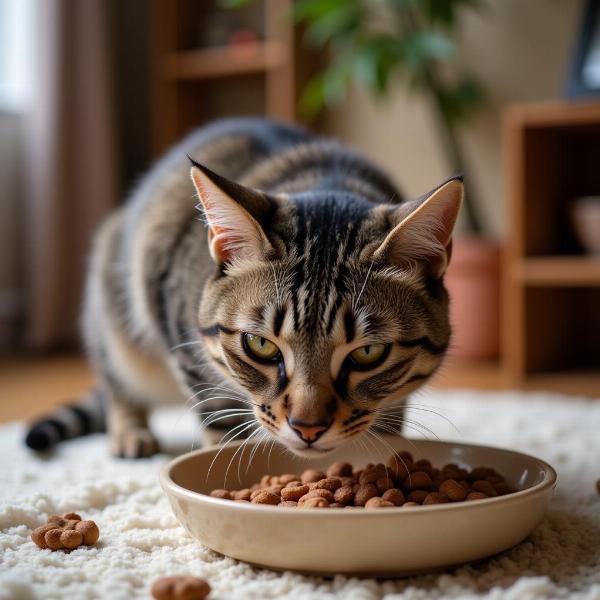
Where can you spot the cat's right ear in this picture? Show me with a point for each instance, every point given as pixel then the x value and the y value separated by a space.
pixel 234 214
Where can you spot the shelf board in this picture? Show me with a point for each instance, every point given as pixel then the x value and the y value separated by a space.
pixel 554 113
pixel 212 63
pixel 560 271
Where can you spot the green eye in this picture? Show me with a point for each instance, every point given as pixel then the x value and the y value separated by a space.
pixel 259 347
pixel 369 356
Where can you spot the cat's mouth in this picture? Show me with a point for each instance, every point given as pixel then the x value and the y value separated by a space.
pixel 310 451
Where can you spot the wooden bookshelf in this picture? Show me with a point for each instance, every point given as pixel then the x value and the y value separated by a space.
pixel 196 79
pixel 551 302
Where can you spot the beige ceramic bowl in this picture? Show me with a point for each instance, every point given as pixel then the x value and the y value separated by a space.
pixel 383 542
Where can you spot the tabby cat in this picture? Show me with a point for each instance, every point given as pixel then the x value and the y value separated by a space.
pixel 299 298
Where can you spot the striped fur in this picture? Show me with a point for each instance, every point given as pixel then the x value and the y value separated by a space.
pixel 323 260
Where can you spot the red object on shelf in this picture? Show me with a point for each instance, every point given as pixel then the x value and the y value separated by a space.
pixel 243 44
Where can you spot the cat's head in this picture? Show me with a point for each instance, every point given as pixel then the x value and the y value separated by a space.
pixel 325 308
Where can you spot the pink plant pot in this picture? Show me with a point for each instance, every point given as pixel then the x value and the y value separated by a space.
pixel 473 282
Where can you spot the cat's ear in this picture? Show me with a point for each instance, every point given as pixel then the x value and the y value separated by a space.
pixel 234 214
pixel 424 236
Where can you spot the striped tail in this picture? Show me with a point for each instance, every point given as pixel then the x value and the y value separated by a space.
pixel 68 422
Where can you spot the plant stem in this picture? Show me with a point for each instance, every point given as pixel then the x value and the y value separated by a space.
pixel 455 155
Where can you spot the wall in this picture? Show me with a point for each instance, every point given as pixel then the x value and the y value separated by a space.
pixel 520 50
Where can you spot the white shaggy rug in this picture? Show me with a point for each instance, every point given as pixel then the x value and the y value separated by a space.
pixel 141 540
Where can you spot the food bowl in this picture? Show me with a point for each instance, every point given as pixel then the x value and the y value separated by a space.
pixel 380 542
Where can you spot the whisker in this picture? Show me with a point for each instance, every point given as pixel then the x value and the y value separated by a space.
pixel 244 426
pixel 234 455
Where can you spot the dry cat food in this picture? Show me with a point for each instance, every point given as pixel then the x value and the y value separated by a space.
pixel 180 587
pixel 403 482
pixel 65 533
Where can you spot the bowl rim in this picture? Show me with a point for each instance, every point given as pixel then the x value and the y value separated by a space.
pixel 549 481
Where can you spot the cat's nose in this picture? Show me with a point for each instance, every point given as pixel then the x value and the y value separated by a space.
pixel 308 432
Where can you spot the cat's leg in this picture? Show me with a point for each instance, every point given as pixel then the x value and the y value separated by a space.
pixel 130 436
pixel 129 369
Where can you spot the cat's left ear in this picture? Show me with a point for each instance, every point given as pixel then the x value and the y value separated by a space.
pixel 424 236
pixel 235 215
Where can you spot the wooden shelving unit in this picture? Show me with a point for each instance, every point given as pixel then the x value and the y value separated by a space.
pixel 197 80
pixel 551 303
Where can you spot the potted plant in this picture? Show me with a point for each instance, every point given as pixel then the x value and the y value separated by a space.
pixel 371 43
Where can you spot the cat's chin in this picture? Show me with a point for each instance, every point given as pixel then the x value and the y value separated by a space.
pixel 310 452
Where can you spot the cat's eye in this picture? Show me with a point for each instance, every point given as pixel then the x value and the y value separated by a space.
pixel 369 356
pixel 260 348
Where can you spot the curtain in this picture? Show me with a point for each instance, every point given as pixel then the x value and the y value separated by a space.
pixel 72 165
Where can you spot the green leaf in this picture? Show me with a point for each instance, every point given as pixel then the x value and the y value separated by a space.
pixel 333 25
pixel 422 47
pixel 461 100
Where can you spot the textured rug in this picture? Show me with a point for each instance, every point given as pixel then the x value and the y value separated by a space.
pixel 141 540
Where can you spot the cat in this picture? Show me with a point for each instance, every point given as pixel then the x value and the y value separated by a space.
pixel 302 298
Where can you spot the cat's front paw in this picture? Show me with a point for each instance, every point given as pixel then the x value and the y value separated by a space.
pixel 134 443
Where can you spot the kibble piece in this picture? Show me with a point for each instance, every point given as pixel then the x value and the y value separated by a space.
pixel 89 531
pixel 340 469
pixel 481 473
pixel 501 488
pixel 347 480
pixel 399 470
pixel 265 481
pixel 223 494
pixel 409 504
pixel 328 483
pixel 417 496
pixel 52 539
pixel 71 516
pixel 287 504
pixel 242 494
pixel 377 502
pixel 57 520
pixel 344 494
pixel 453 489
pixel 315 502
pixel 37 535
pixel 475 496
pixel 311 476
pixel 180 588
pixel 275 489
pixel 365 493
pixel 384 483
pixel 436 498
pixel 395 496
pixel 294 493
pixel 287 478
pixel 419 480
pixel 266 497
pixel 423 465
pixel 70 539
pixel 372 474
pixel 485 487
pixel 320 493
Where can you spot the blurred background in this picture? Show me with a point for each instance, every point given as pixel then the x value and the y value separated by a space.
pixel 91 91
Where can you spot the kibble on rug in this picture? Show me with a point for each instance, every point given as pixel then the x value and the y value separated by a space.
pixel 141 541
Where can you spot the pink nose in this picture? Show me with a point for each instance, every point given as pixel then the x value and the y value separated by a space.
pixel 308 432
